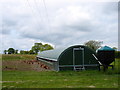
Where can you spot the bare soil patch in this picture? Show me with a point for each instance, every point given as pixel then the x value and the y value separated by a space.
pixel 24 65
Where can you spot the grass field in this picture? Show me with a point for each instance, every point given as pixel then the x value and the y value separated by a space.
pixel 12 57
pixel 66 79
pixel 62 79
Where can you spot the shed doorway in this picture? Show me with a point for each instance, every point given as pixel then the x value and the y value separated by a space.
pixel 78 58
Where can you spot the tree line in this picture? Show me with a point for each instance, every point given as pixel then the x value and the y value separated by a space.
pixel 38 47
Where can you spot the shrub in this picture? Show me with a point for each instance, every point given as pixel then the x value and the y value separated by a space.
pixel 117 54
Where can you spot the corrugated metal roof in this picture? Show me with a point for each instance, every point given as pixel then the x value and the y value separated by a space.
pixel 51 54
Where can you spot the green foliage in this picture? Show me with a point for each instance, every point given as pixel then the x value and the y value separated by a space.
pixel 24 52
pixel 41 47
pixel 34 50
pixel 117 54
pixel 37 47
pixel 46 47
pixel 116 69
pixel 27 52
pixel 31 52
pixel 94 45
pixel 16 51
pixel 5 51
pixel 114 48
pixel 11 51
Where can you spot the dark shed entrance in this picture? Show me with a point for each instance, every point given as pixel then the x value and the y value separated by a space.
pixel 76 57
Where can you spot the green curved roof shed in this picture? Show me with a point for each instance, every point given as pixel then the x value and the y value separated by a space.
pixel 77 57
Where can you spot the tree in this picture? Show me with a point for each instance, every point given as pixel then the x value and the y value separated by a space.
pixel 21 52
pixel 31 52
pixel 41 47
pixel 37 47
pixel 24 52
pixel 114 48
pixel 47 47
pixel 11 51
pixel 5 51
pixel 16 51
pixel 94 45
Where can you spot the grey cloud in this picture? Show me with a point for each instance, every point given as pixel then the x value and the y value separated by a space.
pixel 110 8
pixel 84 26
pixel 72 23
pixel 9 22
pixel 7 27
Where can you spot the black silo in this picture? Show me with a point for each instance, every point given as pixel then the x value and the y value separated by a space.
pixel 106 55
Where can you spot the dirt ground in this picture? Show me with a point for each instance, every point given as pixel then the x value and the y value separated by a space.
pixel 24 65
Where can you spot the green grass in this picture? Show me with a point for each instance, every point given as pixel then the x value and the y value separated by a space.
pixel 65 79
pixel 62 79
pixel 116 67
pixel 17 57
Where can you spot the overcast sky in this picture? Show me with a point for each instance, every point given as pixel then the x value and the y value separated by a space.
pixel 57 22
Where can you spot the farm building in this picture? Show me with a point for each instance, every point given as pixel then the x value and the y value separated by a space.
pixel 77 57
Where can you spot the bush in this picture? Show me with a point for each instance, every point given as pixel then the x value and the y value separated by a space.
pixel 117 54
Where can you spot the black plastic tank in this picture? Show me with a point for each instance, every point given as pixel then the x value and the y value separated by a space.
pixel 106 55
